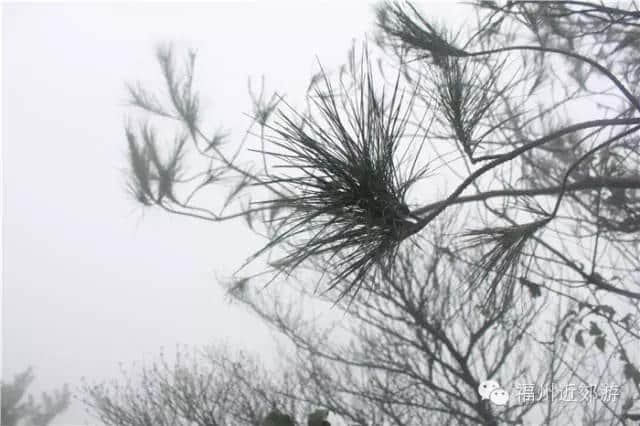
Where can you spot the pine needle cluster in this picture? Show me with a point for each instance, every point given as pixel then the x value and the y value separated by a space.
pixel 345 177
pixel 499 264
pixel 405 29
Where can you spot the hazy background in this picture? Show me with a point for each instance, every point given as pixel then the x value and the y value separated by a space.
pixel 90 279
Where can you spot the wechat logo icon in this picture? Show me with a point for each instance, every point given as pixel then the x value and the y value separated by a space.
pixel 491 390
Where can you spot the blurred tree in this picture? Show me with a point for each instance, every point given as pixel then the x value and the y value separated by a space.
pixel 205 387
pixel 16 411
pixel 471 208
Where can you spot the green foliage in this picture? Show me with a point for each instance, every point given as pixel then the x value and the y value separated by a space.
pixel 277 418
pixel 318 418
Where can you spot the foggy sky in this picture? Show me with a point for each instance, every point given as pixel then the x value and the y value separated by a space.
pixel 90 279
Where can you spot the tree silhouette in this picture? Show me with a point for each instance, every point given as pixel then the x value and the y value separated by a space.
pixel 20 409
pixel 205 387
pixel 470 207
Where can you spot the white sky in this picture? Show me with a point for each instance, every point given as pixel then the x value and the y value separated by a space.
pixel 88 281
